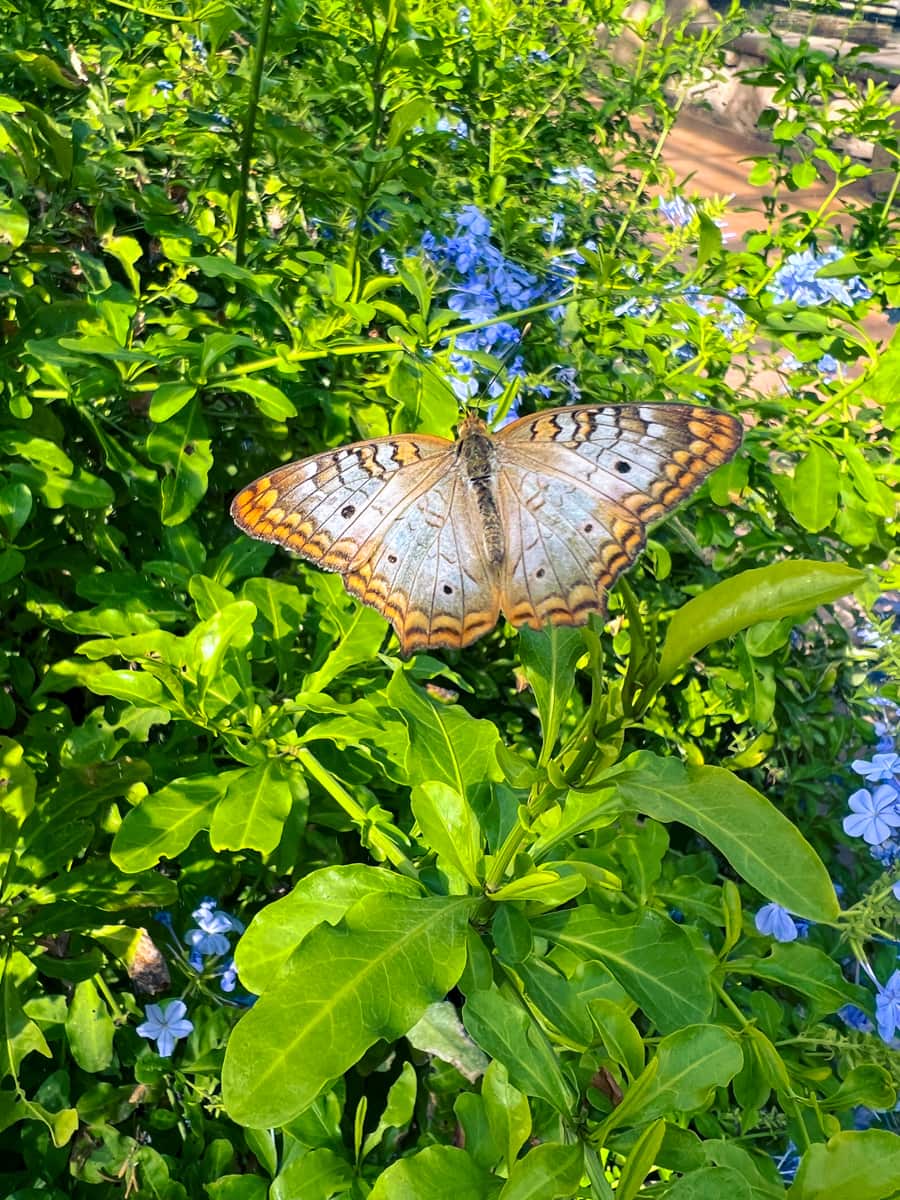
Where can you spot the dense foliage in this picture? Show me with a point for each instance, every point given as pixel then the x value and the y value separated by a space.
pixel 284 914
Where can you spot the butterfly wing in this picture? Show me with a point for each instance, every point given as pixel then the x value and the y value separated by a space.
pixel 390 517
pixel 577 488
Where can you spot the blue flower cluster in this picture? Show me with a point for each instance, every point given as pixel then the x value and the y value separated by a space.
pixel 875 809
pixel 581 177
pixel 483 283
pixel 677 211
pixel 209 941
pixel 798 280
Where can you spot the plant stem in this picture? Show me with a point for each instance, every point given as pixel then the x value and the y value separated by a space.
pixel 259 59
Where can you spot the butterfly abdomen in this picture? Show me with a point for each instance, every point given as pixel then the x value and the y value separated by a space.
pixel 476 450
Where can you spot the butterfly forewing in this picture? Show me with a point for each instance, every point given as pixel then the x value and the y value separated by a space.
pixel 580 485
pixel 539 519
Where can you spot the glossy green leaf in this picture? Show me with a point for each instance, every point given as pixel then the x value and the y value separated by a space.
pixel 254 808
pixel 807 970
pixel 324 895
pixel 641 1160
pixel 652 957
pixel 169 399
pixel 270 400
pixel 359 632
pixel 317 1174
pixel 548 658
pixel 449 826
pixel 165 822
pixel 682 1077
pixel 446 744
pixel 763 594
pixel 15 508
pixel 89 1028
pixel 852 1165
pixel 739 821
pixel 550 1171
pixel 17 794
pixel 506 1031
pixel 181 446
pixel 813 497
pixel 711 1183
pixel 438 1172
pixel 507 1112
pixel 398 1111
pixel 372 976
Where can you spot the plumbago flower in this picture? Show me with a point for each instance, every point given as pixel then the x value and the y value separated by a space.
pixel 827 366
pixel 166 1026
pixel 873 814
pixel 777 922
pixel 209 947
pixel 798 280
pixel 887 1008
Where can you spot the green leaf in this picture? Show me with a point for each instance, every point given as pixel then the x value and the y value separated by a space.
pixel 813 497
pixel 548 659
pixel 440 1033
pixel 18 784
pixel 740 822
pixel 438 1172
pixel 326 895
pixel 640 1160
pixel 450 827
pixel 169 399
pixel 372 976
pixel 359 629
pixel 783 589
pixel 711 1183
pixel 866 1084
pixel 850 1166
pixel 271 400
pixel 652 958
pixel 230 628
pixel 182 446
pixel 710 241
pixel 316 1174
pixel 165 822
pixel 682 1077
pixel 807 970
pixel 883 384
pixel 446 744
pixel 256 804
pixel 505 1030
pixel 14 226
pixel 620 1037
pixel 550 1171
pixel 506 1111
pixel 15 508
pixel 89 1028
pixel 398 1111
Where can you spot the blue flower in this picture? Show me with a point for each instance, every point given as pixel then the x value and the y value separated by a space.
pixel 165 1027
pixel 777 922
pixel 677 211
pixel 452 125
pixel 853 1016
pixel 874 815
pixel 582 177
pixel 229 978
pixel 209 938
pixel 797 280
pixel 827 366
pixel 896 890
pixel 568 377
pixel 882 767
pixel 788 1163
pixel 887 853
pixel 887 1008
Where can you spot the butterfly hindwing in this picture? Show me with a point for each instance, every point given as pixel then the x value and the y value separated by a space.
pixel 428 573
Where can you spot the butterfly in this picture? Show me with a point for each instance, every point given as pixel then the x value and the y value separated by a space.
pixel 535 521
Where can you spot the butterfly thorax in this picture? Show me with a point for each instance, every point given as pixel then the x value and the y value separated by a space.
pixel 477 456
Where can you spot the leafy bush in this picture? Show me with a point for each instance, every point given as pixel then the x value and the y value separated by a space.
pixel 498 904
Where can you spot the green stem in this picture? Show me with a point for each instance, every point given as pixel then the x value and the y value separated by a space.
pixel 249 130
pixel 355 811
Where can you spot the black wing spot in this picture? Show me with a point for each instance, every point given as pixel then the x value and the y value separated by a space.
pixel 392 558
pixel 589 528
pixel 623 467
pixel 540 573
pixel 448 590
pixel 348 510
